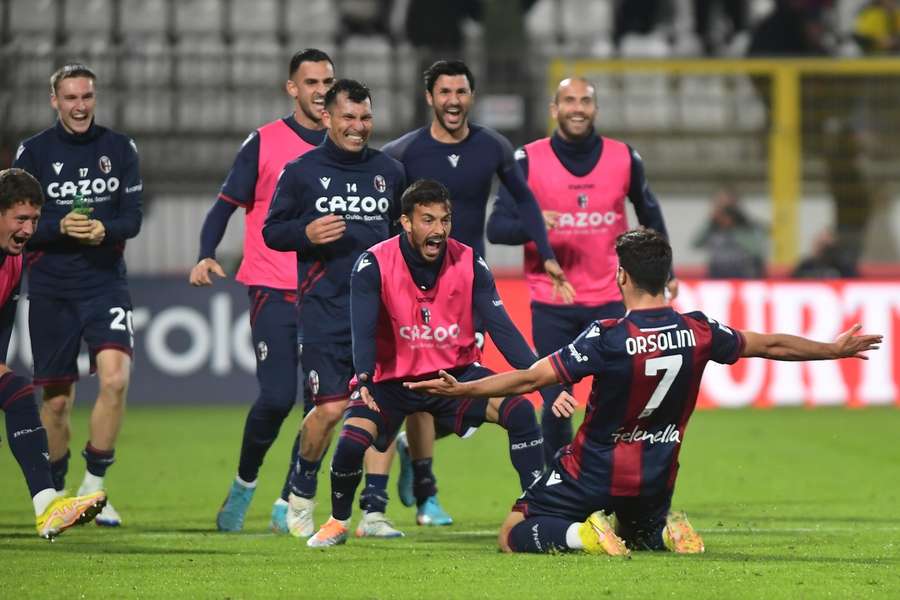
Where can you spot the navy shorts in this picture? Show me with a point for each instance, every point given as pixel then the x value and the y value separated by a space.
pixel 459 415
pixel 57 327
pixel 558 494
pixel 273 327
pixel 328 368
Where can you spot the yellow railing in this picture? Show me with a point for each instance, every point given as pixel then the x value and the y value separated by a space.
pixel 785 116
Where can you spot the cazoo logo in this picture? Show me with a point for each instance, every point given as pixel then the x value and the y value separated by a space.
pixel 579 220
pixel 428 333
pixel 352 204
pixel 85 187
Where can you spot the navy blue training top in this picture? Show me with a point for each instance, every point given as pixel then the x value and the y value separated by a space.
pixel 364 188
pixel 467 169
pixel 102 166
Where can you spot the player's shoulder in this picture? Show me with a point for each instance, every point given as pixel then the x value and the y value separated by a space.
pixel 36 142
pixel 384 161
pixel 483 134
pixel 400 147
pixel 117 139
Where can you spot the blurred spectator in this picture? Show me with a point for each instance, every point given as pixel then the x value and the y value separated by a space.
pixel 793 28
pixel 826 261
pixel 735 11
pixel 877 27
pixel 736 244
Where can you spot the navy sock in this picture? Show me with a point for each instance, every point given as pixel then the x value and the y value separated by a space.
pixel 557 431
pixel 539 534
pixel 306 477
pixel 526 446
pixel 347 468
pixel 374 497
pixel 295 455
pixel 424 483
pixel 27 437
pixel 98 460
pixel 260 430
pixel 58 470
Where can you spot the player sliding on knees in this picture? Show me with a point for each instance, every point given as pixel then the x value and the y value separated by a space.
pixel 610 490
pixel 414 301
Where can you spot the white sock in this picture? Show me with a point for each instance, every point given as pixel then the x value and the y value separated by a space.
pixel 281 502
pixel 573 540
pixel 90 484
pixel 43 499
pixel 246 484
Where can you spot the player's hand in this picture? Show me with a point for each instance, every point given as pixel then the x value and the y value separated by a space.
pixel 850 345
pixel 96 233
pixel 366 396
pixel 561 285
pixel 76 225
pixel 672 289
pixel 564 405
pixel 326 229
pixel 445 385
pixel 200 272
pixel 550 218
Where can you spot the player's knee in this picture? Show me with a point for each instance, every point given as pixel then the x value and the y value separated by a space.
pixel 330 413
pixel 114 384
pixel 56 407
pixel 516 415
pixel 276 401
pixel 17 394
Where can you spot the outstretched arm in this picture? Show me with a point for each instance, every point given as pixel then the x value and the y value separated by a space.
pixel 781 346
pixel 540 374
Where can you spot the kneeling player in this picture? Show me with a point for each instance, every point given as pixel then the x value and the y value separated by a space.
pixel 624 459
pixel 413 302
pixel 20 207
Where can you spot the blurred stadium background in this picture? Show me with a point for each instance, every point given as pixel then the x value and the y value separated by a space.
pixel 806 142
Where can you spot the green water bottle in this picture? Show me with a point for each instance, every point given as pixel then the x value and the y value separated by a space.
pixel 80 206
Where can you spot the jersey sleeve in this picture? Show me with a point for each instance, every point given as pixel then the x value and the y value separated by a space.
pixel 584 356
pixel 726 344
pixel 504 225
pixel 497 322
pixel 646 207
pixel 239 187
pixel 48 226
pixel 214 226
pixel 127 223
pixel 7 321
pixel 285 226
pixel 529 211
pixel 365 303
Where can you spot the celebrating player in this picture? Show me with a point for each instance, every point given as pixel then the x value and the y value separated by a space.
pixel 270 276
pixel 414 301
pixel 624 460
pixel 580 180
pixel 464 157
pixel 329 206
pixel 21 200
pixel 77 284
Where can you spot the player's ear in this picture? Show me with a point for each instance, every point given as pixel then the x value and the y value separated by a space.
pixel 621 277
pixel 54 102
pixel 326 119
pixel 406 223
pixel 291 88
pixel 429 98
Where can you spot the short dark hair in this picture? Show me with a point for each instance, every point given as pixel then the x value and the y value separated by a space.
pixel 17 185
pixel 447 67
pixel 424 192
pixel 68 71
pixel 308 55
pixel 647 258
pixel 356 92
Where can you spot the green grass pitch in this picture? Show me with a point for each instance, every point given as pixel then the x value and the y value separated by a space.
pixel 792 503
